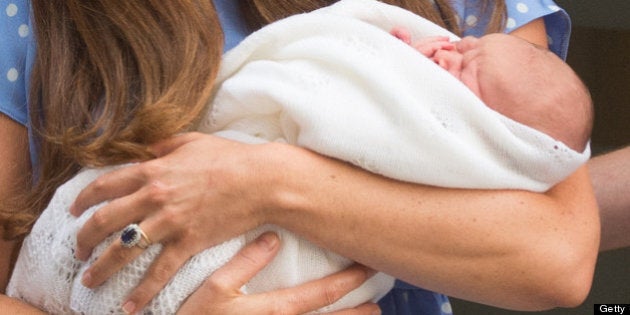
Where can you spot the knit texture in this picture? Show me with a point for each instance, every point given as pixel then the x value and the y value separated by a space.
pixel 336 82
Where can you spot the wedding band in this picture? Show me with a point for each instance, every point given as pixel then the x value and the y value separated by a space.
pixel 133 235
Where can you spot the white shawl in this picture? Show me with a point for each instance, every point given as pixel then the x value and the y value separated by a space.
pixel 334 81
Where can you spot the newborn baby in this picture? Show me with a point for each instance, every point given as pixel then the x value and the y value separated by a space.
pixel 336 82
pixel 567 118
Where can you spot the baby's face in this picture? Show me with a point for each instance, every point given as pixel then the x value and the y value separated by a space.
pixel 500 67
pixel 478 62
pixel 528 84
pixel 504 71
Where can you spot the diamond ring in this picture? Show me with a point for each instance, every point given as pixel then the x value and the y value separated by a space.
pixel 132 235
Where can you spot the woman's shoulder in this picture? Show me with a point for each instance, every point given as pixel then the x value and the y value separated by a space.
pixel 524 11
pixel 520 13
pixel 15 37
pixel 557 21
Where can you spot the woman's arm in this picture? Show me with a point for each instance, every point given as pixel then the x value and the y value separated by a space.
pixel 533 32
pixel 506 248
pixel 14 164
pixel 610 173
pixel 510 249
pixel 13 306
pixel 14 168
pixel 560 227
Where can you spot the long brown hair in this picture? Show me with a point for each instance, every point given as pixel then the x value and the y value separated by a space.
pixel 441 12
pixel 109 78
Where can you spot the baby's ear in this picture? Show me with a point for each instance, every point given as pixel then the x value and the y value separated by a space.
pixel 402 34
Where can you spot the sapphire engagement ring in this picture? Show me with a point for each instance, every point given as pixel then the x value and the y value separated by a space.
pixel 133 235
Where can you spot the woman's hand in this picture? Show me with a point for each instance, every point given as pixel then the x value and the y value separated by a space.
pixel 200 191
pixel 221 290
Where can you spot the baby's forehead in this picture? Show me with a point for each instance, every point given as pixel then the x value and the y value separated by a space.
pixel 507 50
pixel 504 43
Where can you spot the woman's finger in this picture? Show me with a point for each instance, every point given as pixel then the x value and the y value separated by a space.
pixel 319 293
pixel 247 262
pixel 363 309
pixel 162 270
pixel 117 183
pixel 107 220
pixel 116 256
pixel 221 290
pixel 220 293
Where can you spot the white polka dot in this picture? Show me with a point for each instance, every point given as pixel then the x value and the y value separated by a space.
pixel 12 9
pixel 12 75
pixel 549 40
pixel 554 8
pixel 471 20
pixel 522 7
pixel 510 23
pixel 446 308
pixel 23 30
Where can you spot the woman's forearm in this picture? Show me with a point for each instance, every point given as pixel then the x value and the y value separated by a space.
pixel 14 165
pixel 505 248
pixel 13 306
pixel 611 179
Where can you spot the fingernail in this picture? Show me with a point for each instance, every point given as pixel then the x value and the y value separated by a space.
pixel 86 280
pixel 129 307
pixel 268 240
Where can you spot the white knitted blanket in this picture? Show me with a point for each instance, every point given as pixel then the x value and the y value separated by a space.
pixel 334 81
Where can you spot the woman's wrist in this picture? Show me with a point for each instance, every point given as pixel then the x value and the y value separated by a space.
pixel 279 177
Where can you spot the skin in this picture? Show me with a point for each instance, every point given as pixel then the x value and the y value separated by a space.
pixel 222 288
pixel 511 249
pixel 13 165
pixel 564 116
pixel 571 128
pixel 611 178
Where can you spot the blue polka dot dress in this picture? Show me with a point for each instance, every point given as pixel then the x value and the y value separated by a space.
pixel 519 13
pixel 15 38
pixel 17 49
